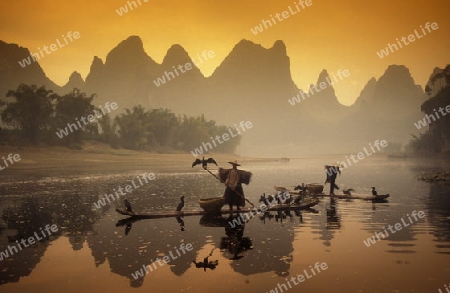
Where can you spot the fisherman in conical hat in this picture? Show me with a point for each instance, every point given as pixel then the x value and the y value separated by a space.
pixel 233 179
pixel 332 171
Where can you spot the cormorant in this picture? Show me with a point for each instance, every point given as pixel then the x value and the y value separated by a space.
pixel 181 204
pixel 128 206
pixel 270 198
pixel 301 188
pixel 204 162
pixel 263 199
pixel 374 192
pixel 288 200
pixel 348 191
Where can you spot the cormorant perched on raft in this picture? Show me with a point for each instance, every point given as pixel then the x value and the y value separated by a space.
pixel 374 192
pixel 301 188
pixel 128 206
pixel 181 204
pixel 204 162
pixel 263 199
pixel 348 191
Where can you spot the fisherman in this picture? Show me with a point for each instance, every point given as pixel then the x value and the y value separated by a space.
pixel 233 179
pixel 332 172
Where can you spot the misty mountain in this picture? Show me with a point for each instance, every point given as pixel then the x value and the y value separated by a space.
pixel 75 81
pixel 254 84
pixel 12 73
pixel 181 91
pixel 124 77
pixel 323 103
pixel 387 108
pixel 438 90
pixel 366 95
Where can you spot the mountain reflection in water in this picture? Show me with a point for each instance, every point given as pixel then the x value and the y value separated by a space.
pixel 267 249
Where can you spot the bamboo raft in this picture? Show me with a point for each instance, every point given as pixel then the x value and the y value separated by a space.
pixel 305 204
pixel 339 196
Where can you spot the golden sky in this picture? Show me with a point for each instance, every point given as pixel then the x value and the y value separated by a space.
pixel 327 34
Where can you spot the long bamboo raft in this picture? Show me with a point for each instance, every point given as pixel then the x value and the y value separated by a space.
pixel 305 204
pixel 339 196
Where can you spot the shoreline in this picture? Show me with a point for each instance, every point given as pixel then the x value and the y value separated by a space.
pixel 94 158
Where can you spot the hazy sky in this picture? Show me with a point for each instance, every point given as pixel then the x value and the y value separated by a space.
pixel 328 34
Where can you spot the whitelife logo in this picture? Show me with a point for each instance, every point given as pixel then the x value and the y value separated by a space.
pixel 169 75
pixel 53 47
pixel 205 147
pixel 281 16
pixel 90 118
pixel 398 226
pixel 124 9
pixel 12 159
pixel 423 123
pixel 162 261
pixel 323 85
pixel 29 241
pixel 411 38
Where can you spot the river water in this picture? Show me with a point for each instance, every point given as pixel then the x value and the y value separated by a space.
pixel 93 251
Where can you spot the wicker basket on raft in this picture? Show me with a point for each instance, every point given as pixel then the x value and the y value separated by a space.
pixel 314 188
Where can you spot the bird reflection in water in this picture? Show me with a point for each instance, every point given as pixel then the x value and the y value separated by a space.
pixel 207 264
pixel 128 228
pixel 267 215
pixel 181 222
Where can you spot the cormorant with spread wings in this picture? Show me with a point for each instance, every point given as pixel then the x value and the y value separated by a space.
pixel 204 162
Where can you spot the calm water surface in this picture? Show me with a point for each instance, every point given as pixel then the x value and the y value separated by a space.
pixel 92 251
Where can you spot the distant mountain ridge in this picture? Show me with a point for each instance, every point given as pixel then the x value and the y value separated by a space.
pixel 12 73
pixel 252 83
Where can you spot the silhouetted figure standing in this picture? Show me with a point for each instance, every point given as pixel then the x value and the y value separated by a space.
pixel 233 179
pixel 332 172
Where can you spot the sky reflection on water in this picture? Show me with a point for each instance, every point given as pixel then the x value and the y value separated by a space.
pixel 90 252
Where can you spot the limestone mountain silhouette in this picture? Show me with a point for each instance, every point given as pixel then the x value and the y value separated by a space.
pixel 252 83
